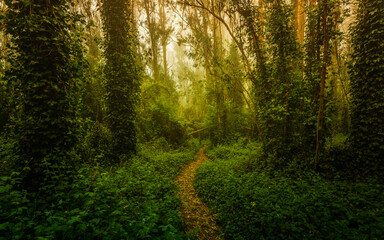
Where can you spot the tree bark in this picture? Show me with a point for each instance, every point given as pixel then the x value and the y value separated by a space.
pixel 300 21
pixel 323 76
pixel 164 41
pixel 154 41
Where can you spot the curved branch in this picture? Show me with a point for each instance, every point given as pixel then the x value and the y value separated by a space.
pixel 240 47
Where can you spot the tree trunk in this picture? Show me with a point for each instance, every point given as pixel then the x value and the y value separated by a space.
pixel 164 41
pixel 300 20
pixel 323 76
pixel 122 76
pixel 217 45
pixel 154 41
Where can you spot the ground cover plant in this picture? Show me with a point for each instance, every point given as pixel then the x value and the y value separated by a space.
pixel 253 204
pixel 135 201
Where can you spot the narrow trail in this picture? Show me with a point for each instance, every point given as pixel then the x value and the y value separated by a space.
pixel 195 213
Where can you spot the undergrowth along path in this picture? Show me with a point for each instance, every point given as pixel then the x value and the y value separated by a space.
pixel 195 213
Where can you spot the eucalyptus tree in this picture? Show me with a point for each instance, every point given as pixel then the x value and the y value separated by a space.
pixel 299 19
pixel 46 64
pixel 154 27
pixel 165 32
pixel 122 72
pixel 4 39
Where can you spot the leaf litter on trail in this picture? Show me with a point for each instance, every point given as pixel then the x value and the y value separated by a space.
pixel 200 220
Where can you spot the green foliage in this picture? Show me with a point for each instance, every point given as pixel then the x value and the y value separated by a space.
pixel 122 75
pixel 337 158
pixel 135 201
pixel 312 65
pixel 93 100
pixel 233 120
pixel 279 93
pixel 95 147
pixel 46 57
pixel 4 109
pixel 252 204
pixel 226 117
pixel 337 141
pixel 9 158
pixel 367 89
pixel 159 120
pixel 192 96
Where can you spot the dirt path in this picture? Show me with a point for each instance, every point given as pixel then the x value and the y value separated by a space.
pixel 195 213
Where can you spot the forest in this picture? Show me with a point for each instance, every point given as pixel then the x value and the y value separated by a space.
pixel 192 119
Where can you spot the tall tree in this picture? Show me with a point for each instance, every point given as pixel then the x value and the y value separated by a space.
pixel 154 36
pixel 278 93
pixel 323 76
pixel 299 19
pixel 4 39
pixel 3 42
pixel 122 74
pixel 46 63
pixel 165 34
pixel 367 87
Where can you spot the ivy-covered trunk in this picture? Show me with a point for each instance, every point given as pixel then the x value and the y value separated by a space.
pixel 323 76
pixel 277 90
pixel 122 75
pixel 46 65
pixel 367 88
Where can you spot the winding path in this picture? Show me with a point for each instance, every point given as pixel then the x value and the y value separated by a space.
pixel 195 213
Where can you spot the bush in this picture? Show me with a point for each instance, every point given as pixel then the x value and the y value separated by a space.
pixel 95 147
pixel 8 156
pixel 160 120
pixel 337 158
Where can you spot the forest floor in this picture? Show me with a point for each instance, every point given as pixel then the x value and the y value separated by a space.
pixel 195 213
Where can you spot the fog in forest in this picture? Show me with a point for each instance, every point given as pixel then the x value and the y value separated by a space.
pixel 191 119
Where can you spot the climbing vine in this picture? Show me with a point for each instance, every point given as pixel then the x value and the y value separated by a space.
pixel 367 87
pixel 46 58
pixel 277 93
pixel 122 74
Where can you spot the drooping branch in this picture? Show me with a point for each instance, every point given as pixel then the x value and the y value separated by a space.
pixel 240 47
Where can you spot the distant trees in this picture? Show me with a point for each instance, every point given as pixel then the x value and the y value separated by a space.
pixel 122 74
pixel 93 100
pixel 46 66
pixel 289 52
pixel 158 23
pixel 225 115
pixel 367 88
pixel 154 35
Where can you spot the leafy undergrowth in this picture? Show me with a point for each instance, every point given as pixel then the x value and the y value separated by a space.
pixel 136 201
pixel 254 205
